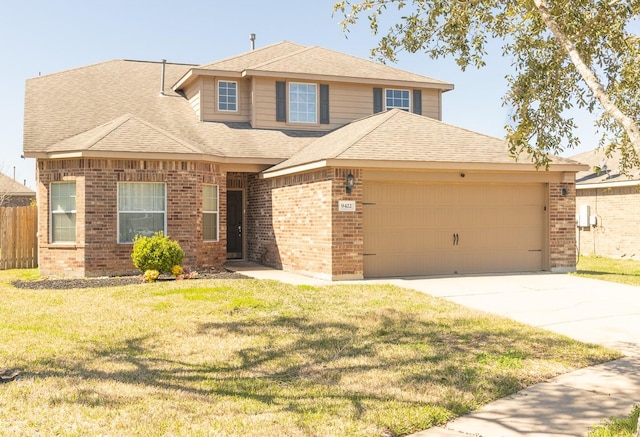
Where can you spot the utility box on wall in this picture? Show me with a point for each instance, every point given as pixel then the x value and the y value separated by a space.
pixel 584 216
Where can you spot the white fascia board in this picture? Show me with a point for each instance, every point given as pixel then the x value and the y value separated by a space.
pixel 607 185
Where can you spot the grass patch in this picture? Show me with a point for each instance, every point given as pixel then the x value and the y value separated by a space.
pixel 248 357
pixel 625 271
pixel 618 427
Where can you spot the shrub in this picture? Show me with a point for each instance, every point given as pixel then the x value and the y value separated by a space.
pixel 150 276
pixel 158 252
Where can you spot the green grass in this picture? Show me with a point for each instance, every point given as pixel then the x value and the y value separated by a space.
pixel 618 427
pixel 249 358
pixel 625 271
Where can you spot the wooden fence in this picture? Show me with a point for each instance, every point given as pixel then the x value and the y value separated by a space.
pixel 18 237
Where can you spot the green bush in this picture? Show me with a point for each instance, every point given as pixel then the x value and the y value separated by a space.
pixel 156 253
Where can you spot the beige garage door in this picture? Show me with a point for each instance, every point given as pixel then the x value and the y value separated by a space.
pixel 437 228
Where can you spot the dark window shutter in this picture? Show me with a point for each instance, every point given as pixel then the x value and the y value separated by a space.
pixel 417 102
pixel 324 104
pixel 377 100
pixel 281 101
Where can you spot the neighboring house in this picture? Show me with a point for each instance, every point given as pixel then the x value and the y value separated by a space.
pixel 298 158
pixel 608 204
pixel 13 193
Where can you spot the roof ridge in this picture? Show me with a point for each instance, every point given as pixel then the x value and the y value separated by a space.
pixel 117 124
pixel 385 117
pixel 247 53
pixel 95 64
pixel 279 58
pixel 167 134
pixel 378 63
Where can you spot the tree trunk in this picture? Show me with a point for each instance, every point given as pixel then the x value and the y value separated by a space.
pixel 627 123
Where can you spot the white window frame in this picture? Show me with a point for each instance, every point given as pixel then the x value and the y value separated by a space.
pixel 216 212
pixel 62 212
pixel 163 212
pixel 219 94
pixel 392 106
pixel 293 107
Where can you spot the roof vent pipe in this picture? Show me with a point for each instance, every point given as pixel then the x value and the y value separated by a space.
pixel 252 37
pixel 164 64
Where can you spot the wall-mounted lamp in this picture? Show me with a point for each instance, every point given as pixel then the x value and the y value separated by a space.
pixel 564 192
pixel 350 183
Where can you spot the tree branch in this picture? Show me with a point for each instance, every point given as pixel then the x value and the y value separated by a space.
pixel 627 123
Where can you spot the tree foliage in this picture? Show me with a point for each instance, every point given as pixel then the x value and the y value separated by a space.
pixel 564 54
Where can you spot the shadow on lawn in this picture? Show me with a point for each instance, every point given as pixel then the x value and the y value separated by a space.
pixel 442 368
pixel 601 273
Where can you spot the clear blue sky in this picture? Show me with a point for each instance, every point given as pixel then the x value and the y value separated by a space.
pixel 45 36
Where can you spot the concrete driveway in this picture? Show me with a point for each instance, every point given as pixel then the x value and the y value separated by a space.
pixel 589 310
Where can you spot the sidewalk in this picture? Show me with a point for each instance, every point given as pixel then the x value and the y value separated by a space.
pixel 587 310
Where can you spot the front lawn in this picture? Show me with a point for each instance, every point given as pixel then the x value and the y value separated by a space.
pixel 246 357
pixel 625 271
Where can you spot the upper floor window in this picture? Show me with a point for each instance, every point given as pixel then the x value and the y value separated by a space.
pixel 210 212
pixel 142 209
pixel 303 106
pixel 397 99
pixel 227 96
pixel 63 212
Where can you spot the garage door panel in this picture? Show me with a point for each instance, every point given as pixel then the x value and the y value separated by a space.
pixel 429 228
pixel 400 241
pixel 406 264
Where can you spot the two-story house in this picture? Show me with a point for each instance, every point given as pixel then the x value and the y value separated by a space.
pixel 299 158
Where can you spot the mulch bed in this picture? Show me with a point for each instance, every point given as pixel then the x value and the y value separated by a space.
pixel 65 284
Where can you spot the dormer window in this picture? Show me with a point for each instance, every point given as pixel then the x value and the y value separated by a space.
pixel 227 96
pixel 397 99
pixel 303 102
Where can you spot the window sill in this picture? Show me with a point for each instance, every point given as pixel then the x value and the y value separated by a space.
pixel 64 246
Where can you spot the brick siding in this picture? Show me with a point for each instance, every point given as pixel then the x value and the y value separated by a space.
pixel 96 252
pixel 562 235
pixel 615 209
pixel 294 224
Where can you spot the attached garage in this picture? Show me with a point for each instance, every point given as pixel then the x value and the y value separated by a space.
pixel 453 228
pixel 412 196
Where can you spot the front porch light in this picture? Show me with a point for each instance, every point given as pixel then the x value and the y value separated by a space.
pixel 350 183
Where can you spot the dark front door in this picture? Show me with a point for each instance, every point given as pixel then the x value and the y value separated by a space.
pixel 234 224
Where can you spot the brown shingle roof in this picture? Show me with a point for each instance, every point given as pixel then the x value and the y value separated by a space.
pixel 397 136
pixel 324 62
pixel 138 135
pixel 254 57
pixel 286 58
pixel 11 187
pixel 83 102
pixel 602 169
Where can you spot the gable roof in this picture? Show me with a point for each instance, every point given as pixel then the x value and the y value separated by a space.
pixel 603 171
pixel 137 134
pixel 286 59
pixel 407 140
pixel 11 187
pixel 95 108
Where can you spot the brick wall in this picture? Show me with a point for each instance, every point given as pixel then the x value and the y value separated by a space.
pixel 96 252
pixel 294 224
pixel 562 235
pixel 348 230
pixel 614 235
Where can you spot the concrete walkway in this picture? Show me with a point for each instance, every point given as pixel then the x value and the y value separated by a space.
pixel 588 310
